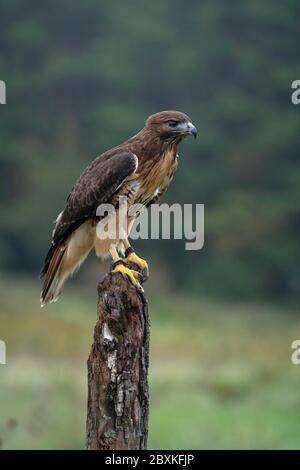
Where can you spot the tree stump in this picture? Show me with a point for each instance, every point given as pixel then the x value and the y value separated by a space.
pixel 118 396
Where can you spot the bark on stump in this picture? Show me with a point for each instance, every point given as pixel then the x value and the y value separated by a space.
pixel 118 396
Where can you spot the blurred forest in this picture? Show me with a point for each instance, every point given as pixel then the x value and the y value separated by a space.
pixel 83 76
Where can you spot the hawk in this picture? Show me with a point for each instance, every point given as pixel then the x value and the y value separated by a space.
pixel 141 170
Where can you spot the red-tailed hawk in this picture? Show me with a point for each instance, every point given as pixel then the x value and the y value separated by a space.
pixel 140 169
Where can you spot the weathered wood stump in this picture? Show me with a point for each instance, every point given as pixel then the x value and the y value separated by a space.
pixel 118 396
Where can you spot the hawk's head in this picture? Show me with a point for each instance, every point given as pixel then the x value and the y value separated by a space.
pixel 171 125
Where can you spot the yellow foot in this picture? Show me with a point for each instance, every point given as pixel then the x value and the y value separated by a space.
pixel 132 257
pixel 132 275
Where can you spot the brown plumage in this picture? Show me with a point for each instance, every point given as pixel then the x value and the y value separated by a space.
pixel 141 169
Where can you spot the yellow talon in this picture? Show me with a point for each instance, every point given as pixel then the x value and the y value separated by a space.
pixel 133 258
pixel 130 273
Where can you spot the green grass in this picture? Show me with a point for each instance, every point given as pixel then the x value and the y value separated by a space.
pixel 220 374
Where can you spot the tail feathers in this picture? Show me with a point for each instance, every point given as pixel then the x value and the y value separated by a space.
pixel 63 259
pixel 52 274
pixel 48 258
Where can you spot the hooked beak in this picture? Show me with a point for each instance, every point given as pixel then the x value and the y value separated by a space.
pixel 192 130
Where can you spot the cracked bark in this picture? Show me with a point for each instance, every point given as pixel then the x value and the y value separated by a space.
pixel 118 397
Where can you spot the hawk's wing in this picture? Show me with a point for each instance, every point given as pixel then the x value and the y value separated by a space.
pixel 97 184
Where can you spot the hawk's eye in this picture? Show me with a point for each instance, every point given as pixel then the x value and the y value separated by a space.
pixel 173 123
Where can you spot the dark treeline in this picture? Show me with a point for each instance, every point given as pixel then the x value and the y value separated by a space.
pixel 82 76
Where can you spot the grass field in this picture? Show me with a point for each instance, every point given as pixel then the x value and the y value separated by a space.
pixel 220 375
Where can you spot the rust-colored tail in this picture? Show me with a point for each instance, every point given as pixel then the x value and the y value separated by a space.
pixel 51 274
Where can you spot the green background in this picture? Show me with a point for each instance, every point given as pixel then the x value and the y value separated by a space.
pixel 83 76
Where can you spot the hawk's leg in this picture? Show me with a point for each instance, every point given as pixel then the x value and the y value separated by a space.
pixel 132 257
pixel 119 267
